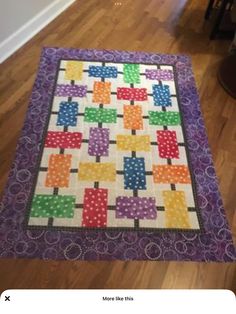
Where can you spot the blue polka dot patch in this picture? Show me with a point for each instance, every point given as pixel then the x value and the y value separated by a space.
pixel 134 173
pixel 67 115
pixel 102 71
pixel 161 95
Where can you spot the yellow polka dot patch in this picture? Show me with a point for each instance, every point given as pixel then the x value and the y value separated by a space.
pixel 176 212
pixel 97 171
pixel 133 142
pixel 74 70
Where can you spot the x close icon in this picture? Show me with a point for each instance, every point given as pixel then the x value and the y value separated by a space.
pixel 7 298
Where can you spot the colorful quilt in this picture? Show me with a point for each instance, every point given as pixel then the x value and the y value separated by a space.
pixel 113 162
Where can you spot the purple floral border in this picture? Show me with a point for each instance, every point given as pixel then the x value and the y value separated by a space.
pixel 214 244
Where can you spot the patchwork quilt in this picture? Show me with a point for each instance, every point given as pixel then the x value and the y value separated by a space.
pixel 113 163
pixel 114 153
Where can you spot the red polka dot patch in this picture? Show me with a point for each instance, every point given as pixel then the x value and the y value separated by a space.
pixel 95 208
pixel 138 94
pixel 167 144
pixel 63 139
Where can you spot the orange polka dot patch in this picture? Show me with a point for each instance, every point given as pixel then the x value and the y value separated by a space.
pixel 133 117
pixel 171 174
pixel 101 92
pixel 58 173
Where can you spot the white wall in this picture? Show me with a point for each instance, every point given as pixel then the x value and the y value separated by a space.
pixel 22 19
pixel 15 13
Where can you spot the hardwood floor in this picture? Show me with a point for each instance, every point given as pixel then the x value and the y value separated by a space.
pixel 152 25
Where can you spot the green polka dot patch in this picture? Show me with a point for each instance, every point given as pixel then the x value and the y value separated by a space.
pixel 59 206
pixel 131 73
pixel 100 115
pixel 164 118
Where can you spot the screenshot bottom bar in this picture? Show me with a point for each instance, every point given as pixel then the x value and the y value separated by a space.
pixel 117 301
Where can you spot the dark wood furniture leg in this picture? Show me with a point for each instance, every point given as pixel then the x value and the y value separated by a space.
pixel 219 17
pixel 227 75
pixel 209 8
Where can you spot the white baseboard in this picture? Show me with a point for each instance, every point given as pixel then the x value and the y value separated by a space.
pixel 32 27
